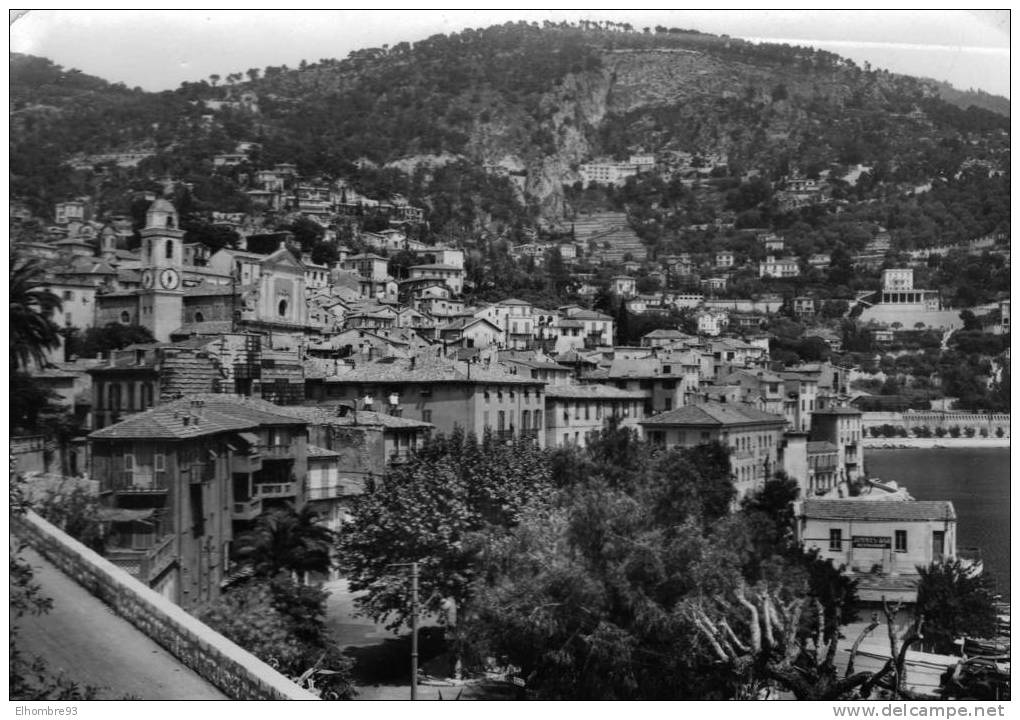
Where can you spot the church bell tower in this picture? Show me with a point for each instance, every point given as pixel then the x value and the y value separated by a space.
pixel 161 302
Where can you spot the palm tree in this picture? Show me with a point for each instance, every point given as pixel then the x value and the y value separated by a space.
pixel 286 541
pixel 32 306
pixel 955 601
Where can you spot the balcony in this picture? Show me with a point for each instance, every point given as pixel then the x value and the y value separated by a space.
pixel 246 463
pixel 328 491
pixel 400 458
pixel 141 482
pixel 504 434
pixel 530 433
pixel 146 564
pixel 279 451
pixel 247 509
pixel 264 491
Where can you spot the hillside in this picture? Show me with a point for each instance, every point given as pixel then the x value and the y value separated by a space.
pixel 482 107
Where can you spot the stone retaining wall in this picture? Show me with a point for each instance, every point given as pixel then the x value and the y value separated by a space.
pixel 235 671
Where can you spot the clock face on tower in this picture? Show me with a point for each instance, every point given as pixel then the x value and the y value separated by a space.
pixel 148 278
pixel 169 279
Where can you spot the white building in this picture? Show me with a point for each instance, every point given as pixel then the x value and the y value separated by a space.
pixel 878 537
pixel 778 268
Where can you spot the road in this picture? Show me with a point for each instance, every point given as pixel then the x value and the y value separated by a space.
pixel 383 658
pixel 86 640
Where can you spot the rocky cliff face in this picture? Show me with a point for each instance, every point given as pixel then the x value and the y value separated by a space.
pixel 675 99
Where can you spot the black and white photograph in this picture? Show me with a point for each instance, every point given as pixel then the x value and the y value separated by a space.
pixel 502 355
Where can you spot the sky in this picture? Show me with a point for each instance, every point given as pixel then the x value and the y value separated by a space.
pixel 159 49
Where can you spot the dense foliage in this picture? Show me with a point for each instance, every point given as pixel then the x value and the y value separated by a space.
pixel 437 510
pixel 586 583
pixel 956 602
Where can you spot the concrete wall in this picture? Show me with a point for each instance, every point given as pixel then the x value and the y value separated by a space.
pixel 233 670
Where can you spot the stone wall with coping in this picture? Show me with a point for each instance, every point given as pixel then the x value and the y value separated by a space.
pixel 235 671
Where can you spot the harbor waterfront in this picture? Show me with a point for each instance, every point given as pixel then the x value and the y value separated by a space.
pixel 976 480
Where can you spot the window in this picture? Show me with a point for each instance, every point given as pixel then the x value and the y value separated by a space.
pixel 129 462
pixel 199 317
pixel 835 539
pixel 669 403
pixel 159 462
pixel 125 317
pixel 68 295
pixel 426 416
pixel 667 369
pixel 501 421
pixel 587 411
pixel 901 541
pixel 282 308
pixel 485 419
pixel 538 419
pixel 705 436
pixel 169 243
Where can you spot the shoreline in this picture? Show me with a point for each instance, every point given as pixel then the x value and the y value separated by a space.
pixel 935 443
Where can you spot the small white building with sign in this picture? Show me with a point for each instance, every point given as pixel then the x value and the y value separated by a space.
pixel 878 537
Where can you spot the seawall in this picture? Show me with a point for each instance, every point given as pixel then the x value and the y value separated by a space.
pixel 936 443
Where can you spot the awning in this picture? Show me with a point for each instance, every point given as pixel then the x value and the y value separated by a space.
pixel 250 438
pixel 124 514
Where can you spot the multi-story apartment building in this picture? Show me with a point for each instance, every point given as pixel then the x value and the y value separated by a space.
pixel 178 481
pixel 754 437
pixel 348 448
pixel 577 413
pixel 449 395
pixel 842 427
pixel 451 275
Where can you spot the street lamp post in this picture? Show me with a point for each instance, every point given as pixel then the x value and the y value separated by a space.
pixel 414 631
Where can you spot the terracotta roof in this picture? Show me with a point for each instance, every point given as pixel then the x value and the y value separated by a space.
pixel 821 446
pixel 220 413
pixel 435 266
pixel 589 315
pixel 716 413
pixel 400 372
pixel 878 510
pixel 327 415
pixel 591 392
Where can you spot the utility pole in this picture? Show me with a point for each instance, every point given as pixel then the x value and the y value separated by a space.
pixel 414 625
pixel 414 631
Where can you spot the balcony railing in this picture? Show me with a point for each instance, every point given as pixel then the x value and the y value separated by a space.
pixel 504 434
pixel 399 458
pixel 246 463
pixel 279 450
pixel 328 491
pixel 146 563
pixel 531 433
pixel 276 490
pixel 247 509
pixel 141 482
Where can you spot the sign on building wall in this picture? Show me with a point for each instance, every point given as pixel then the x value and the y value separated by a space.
pixel 872 541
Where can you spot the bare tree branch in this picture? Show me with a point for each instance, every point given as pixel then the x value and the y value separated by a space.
pixel 754 624
pixel 857 643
